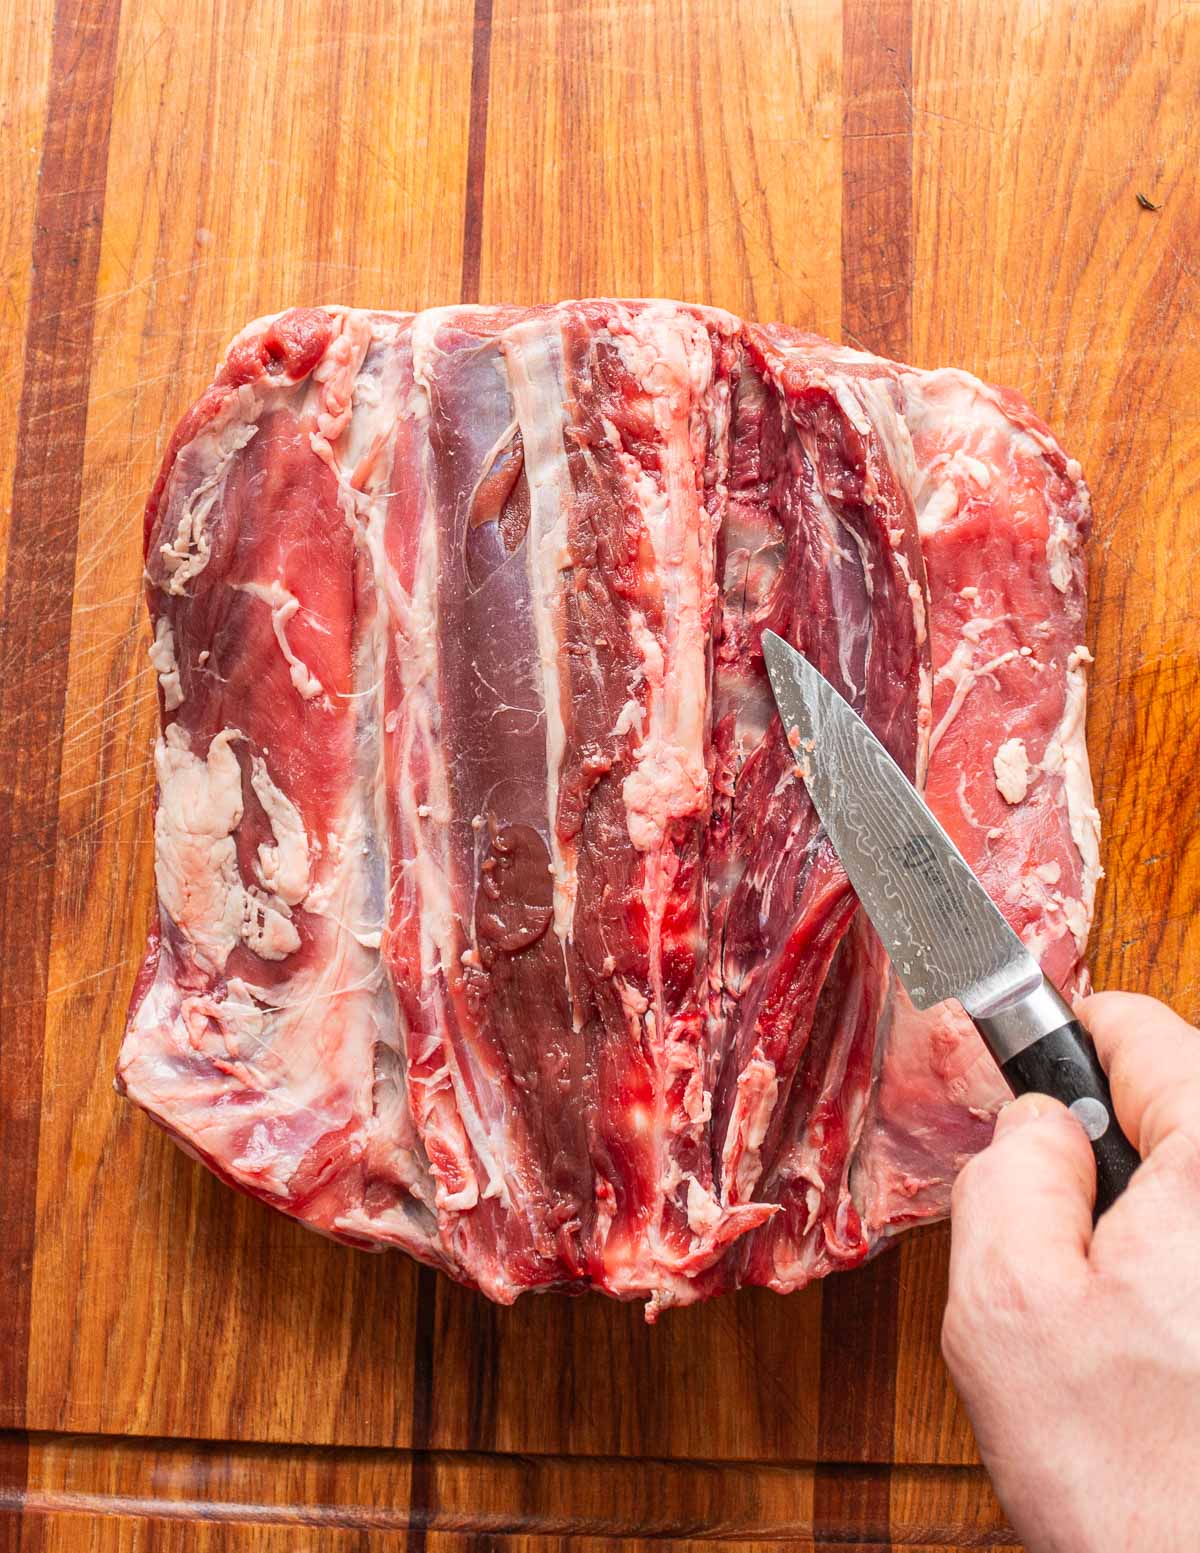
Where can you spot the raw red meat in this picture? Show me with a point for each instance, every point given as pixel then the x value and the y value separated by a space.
pixel 493 922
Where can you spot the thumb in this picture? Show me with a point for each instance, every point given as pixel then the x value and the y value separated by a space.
pixel 1152 1057
pixel 1025 1204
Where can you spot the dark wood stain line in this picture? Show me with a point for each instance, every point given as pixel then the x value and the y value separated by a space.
pixel 489 1494
pixel 35 631
pixel 877 176
pixel 481 60
pixel 191 1452
pixel 14 1481
pixel 859 1313
pixel 399 1518
pixel 421 1473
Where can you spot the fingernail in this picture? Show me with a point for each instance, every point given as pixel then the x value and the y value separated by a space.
pixel 1016 1113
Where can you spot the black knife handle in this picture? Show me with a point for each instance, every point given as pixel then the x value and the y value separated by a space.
pixel 1063 1063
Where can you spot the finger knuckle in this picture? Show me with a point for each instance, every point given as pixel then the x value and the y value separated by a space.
pixel 960 1192
pixel 972 1181
pixel 1176 1161
pixel 1123 1070
pixel 1065 1138
pixel 1010 1283
pixel 994 1280
pixel 957 1336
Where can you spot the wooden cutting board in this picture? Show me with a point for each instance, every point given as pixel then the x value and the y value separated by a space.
pixel 182 1369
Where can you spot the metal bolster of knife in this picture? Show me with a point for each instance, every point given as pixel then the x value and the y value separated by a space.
pixel 1023 1019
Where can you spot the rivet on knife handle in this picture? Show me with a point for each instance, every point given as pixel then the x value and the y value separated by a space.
pixel 1042 1048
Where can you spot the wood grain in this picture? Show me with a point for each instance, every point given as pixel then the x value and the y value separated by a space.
pixel 859 1315
pixel 656 148
pixel 24 71
pixel 1089 306
pixel 1035 266
pixel 472 240
pixel 604 131
pixel 69 1533
pixel 877 187
pixel 479 1493
pixel 36 625
pixel 952 183
pixel 180 265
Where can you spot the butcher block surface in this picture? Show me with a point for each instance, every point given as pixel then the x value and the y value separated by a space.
pixel 179 1367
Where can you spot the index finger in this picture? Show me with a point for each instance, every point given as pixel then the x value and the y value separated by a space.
pixel 1025 1203
pixel 1152 1058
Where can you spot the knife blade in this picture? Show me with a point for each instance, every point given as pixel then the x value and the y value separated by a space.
pixel 942 931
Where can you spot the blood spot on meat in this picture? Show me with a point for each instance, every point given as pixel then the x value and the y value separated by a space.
pixel 293 344
pixel 516 901
pixel 498 519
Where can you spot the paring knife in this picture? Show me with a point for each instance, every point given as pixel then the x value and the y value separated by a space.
pixel 945 937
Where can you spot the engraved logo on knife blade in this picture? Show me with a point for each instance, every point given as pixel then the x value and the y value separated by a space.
pixel 919 856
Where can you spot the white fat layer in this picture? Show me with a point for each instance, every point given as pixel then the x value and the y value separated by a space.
pixel 856 625
pixel 1011 766
pixel 879 398
pixel 483 1131
pixel 332 380
pixel 199 808
pixel 960 669
pixel 162 657
pixel 936 505
pixel 633 1001
pixel 757 1092
pixel 426 353
pixel 1057 913
pixel 243 1014
pixel 367 398
pixel 196 865
pixel 284 1042
pixel 704 1212
pixel 414 622
pixel 844 392
pixel 323 1019
pixel 1060 551
pixel 931 399
pixel 669 353
pixel 1078 919
pixel 185 553
pixel 666 782
pixel 942 486
pixel 266 925
pixel 629 719
pixel 367 442
pixel 301 1051
pixel 283 606
pixel 283 867
pixel 916 598
pixel 1066 756
pixel 533 356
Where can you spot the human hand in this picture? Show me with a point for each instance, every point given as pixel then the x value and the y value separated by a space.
pixel 1077 1350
